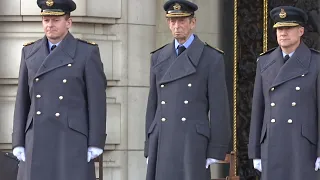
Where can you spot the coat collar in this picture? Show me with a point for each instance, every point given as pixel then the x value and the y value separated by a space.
pixel 62 55
pixel 170 67
pixel 296 66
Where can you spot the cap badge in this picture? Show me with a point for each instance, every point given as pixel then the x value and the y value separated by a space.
pixel 177 6
pixel 282 14
pixel 49 3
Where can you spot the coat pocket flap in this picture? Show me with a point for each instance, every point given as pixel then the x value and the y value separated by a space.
pixel 151 128
pixel 203 130
pixel 28 124
pixel 263 133
pixel 309 133
pixel 78 126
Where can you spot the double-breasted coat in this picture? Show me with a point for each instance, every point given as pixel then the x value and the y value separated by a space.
pixel 186 91
pixel 284 130
pixel 60 110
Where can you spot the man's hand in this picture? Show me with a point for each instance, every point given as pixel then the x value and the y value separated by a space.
pixel 19 153
pixel 94 152
pixel 210 161
pixel 257 164
pixel 317 164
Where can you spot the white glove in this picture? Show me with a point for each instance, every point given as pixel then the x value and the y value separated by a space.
pixel 210 161
pixel 19 153
pixel 93 152
pixel 317 164
pixel 147 159
pixel 257 164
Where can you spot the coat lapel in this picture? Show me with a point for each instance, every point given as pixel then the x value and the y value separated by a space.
pixel 61 56
pixel 37 54
pixel 172 67
pixel 272 66
pixel 296 66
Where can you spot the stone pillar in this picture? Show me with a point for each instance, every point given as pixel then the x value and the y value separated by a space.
pixel 125 33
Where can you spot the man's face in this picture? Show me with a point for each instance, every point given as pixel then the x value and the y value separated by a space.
pixel 56 27
pixel 181 27
pixel 289 36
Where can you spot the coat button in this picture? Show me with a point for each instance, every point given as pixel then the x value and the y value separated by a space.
pixel 272 89
pixel 163 119
pixel 183 119
pixel 38 112
pixel 302 75
pixel 293 103
pixel 38 96
pixel 163 102
pixel 290 121
pixel 162 86
pixel 64 81
pixel 298 88
pixel 186 102
pixel 37 79
pixel 69 65
pixel 60 97
pixel 273 104
pixel 189 85
pixel 57 114
pixel 273 120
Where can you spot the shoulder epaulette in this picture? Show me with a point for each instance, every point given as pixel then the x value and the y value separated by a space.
pixel 88 42
pixel 268 51
pixel 219 50
pixel 315 50
pixel 29 43
pixel 158 49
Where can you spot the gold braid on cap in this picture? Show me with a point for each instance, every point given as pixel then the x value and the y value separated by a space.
pixel 52 13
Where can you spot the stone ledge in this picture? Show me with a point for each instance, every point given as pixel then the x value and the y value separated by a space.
pixel 77 19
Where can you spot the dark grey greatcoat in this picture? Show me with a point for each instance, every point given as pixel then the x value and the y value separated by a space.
pixel 285 115
pixel 60 110
pixel 183 89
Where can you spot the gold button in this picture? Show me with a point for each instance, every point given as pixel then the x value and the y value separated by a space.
pixel 163 119
pixel 272 89
pixel 163 102
pixel 189 85
pixel 294 103
pixel 69 65
pixel 60 97
pixel 64 81
pixel 298 88
pixel 186 102
pixel 273 120
pixel 37 79
pixel 57 114
pixel 162 86
pixel 183 119
pixel 38 96
pixel 273 104
pixel 289 121
pixel 38 112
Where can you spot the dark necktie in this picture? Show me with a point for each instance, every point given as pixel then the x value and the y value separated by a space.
pixel 286 58
pixel 52 47
pixel 181 49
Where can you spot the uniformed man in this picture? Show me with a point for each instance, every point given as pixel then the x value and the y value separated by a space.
pixel 284 136
pixel 187 88
pixel 60 111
